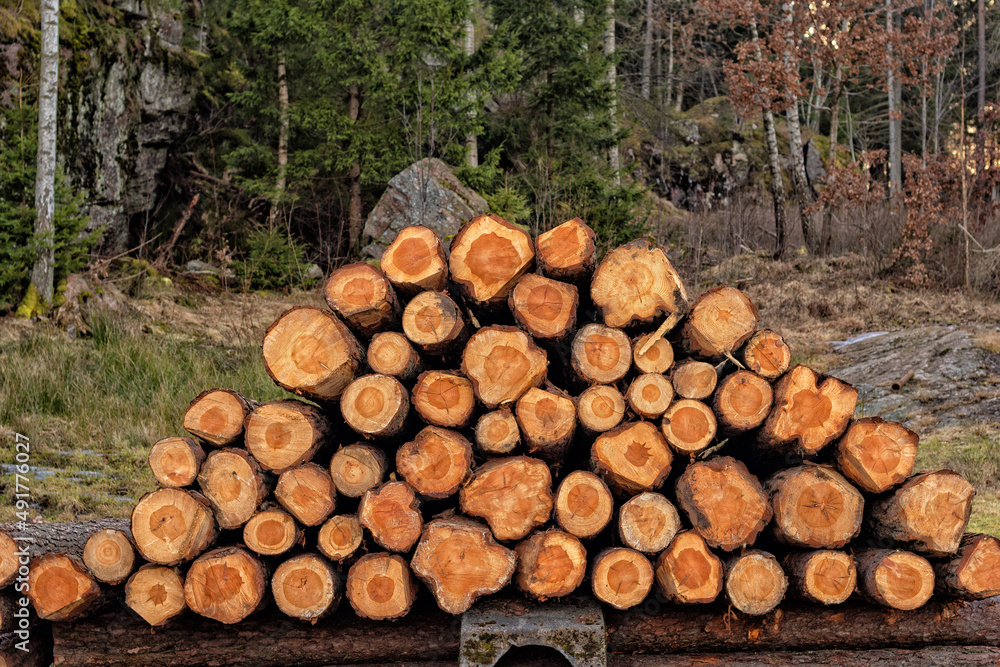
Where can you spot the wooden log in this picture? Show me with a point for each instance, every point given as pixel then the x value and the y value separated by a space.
pixel 306 587
pixel 694 379
pixel 742 402
pixel 460 561
pixel 688 572
pixel 896 579
pixel 156 594
pixel 636 284
pixel 928 656
pixel 433 322
pixel 766 354
pixel 444 399
pixel 877 455
pixel 287 433
pixel 9 559
pixel 823 576
pixel 649 395
pixel 375 406
pixel 600 355
pixel 503 363
pixel 567 252
pixel 216 416
pixel 583 504
pixel 415 261
pixel 720 321
pixel 810 411
pixel 45 537
pixel 340 537
pixel 497 432
pixel 658 356
pixel 724 502
pixel 550 564
pixel 545 308
pixel 648 522
pixel 689 426
pixel 7 619
pixel 513 495
pixel 272 532
pixel 621 578
pixel 311 353
pixel 226 585
pixel 36 651
pixel 60 588
pixel 390 353
pixel 380 587
pixel 974 572
pixel 901 382
pixel 357 468
pixel 547 419
pixel 927 514
pixel 391 514
pixel 176 461
pixel 488 255
pixel 308 493
pixel 170 526
pixel 814 507
pixel 600 408
pixel 755 582
pixel 362 295
pixel 109 555
pixel 632 458
pixel 234 485
pixel 436 462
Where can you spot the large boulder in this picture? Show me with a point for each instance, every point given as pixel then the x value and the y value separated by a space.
pixel 425 193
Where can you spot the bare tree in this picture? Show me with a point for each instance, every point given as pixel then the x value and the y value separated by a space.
pixel 647 51
pixel 471 140
pixel 283 130
pixel 609 51
pixel 895 113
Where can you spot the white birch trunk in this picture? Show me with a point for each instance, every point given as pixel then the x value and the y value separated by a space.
pixel 471 140
pixel 43 273
pixel 647 52
pixel 609 51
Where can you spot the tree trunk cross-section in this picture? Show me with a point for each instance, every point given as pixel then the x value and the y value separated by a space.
pixel 657 357
pixel 600 408
pixel 601 354
pixel 503 363
pixel 363 297
pixel 766 354
pixel 306 587
pixel 391 514
pixel 380 586
pixel 156 594
pixel 375 406
pixel 433 322
pixel 694 379
pixel 877 455
pixel 974 572
pixel 742 401
pixel 9 559
pixel 720 321
pixel 234 485
pixel 415 261
pixel 897 579
pixel 513 495
pixel 810 411
pixel 583 505
pixel 216 416
pixel 436 462
pixel 544 308
pixel 724 502
pixel 171 526
pixel 548 422
pixel 340 537
pixel 815 507
pixel 632 458
pixel 357 468
pixel 755 582
pixel 488 255
pixel 550 564
pixel 307 492
pixel 226 585
pixel 285 433
pixel 60 588
pixel 271 532
pixel 444 399
pixel 390 353
pixel 689 426
pixel 636 284
pixel 621 577
pixel 823 576
pixel 176 461
pixel 109 556
pixel 497 432
pixel 688 572
pixel 567 252
pixel 649 395
pixel 648 522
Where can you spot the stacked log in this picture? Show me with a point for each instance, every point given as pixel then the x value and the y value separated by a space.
pixel 470 425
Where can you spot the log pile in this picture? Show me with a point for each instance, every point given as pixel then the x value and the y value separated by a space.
pixel 463 425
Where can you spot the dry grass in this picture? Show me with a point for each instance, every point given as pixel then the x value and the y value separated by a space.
pixel 989 341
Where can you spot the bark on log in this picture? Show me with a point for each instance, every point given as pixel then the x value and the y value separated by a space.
pixel 689 426
pixel 766 354
pixel 460 561
pixel 363 296
pixel 814 507
pixel 391 514
pixel 688 572
pixel 724 502
pixel 170 526
pixel 600 354
pixel 658 356
pixel 974 572
pixel 755 582
pixel 513 495
pixel 60 588
pixel 742 402
pixel 927 514
pixel 433 322
pixel 311 353
pixel 621 578
pixel 636 284
pixel 109 555
pixel 390 353
pixel 550 564
pixel 156 594
pixel 720 321
pixel 547 420
pixel 810 411
pixel 272 532
pixel 357 468
pixel 308 493
pixel 877 455
pixel 487 257
pixel 497 432
pixel 39 653
pixel 340 537
pixel 436 462
pixel 380 587
pixel 929 656
pixel 632 458
pixel 567 252
pixel 286 433
pixel 306 587
pixel 823 576
pixel 216 416
pixel 694 379
pixel 176 461
pixel 51 537
pixel 415 261
pixel 648 522
pixel 233 483
pixel 375 406
pixel 444 399
pixel 600 408
pixel 897 579
pixel 649 395
pixel 545 308
pixel 9 559
pixel 503 363
pixel 226 585
pixel 583 505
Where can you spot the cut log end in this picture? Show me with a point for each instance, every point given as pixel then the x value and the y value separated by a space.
pixel 226 585
pixel 815 507
pixel 688 572
pixel 877 455
pixel 109 556
pixel 170 526
pixel 271 532
pixel 436 462
pixel 497 432
pixel 648 522
pixel 307 492
pixel 544 308
pixel 720 321
pixel 548 422
pixel 689 426
pixel 390 353
pixel 175 461
pixel 285 433
pixel 568 252
pixel 375 406
pixel 743 401
pixel 340 537
pixel 823 576
pixel 216 416
pixel 658 356
pixel 392 516
pixel 363 297
pixel 600 354
pixel 156 594
pixel 583 505
pixel 60 588
pixel 503 363
pixel 512 494
pixel 234 485
pixel 415 261
pixel 306 587
pixel 649 395
pixel 636 284
pixel 444 399
pixel 8 559
pixel 488 255
pixel 809 412
pixel 896 579
pixel 381 587
pixel 974 572
pixel 433 322
pixel 632 458
pixel 600 408
pixel 724 502
pixel 767 354
pixel 357 468
pixel 694 379
pixel 550 564
pixel 621 578
pixel 755 582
